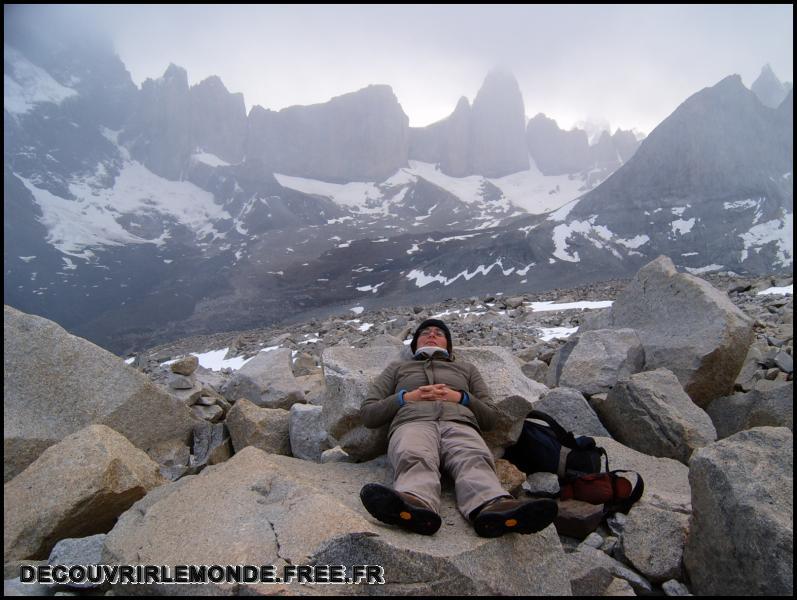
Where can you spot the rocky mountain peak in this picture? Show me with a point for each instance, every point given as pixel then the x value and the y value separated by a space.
pixel 769 89
pixel 359 136
pixel 176 76
pixel 498 145
pixel 462 105
pixel 212 84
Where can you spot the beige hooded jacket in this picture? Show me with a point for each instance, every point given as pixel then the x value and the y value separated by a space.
pixel 383 404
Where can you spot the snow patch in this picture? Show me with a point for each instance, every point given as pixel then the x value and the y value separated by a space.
pixel 706 269
pixel 585 304
pixel 423 279
pixel 28 85
pixel 779 232
pixel 210 159
pixel 549 333
pixel 680 227
pixel 783 291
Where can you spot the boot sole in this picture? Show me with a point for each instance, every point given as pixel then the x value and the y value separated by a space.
pixel 389 507
pixel 530 517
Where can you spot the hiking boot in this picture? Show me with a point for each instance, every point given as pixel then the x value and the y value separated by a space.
pixel 398 508
pixel 504 515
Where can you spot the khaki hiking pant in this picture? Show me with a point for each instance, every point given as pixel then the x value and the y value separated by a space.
pixel 418 449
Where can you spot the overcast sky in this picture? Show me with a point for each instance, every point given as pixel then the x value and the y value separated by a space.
pixel 628 65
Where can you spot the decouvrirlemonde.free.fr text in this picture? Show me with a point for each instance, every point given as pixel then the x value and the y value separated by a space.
pixel 198 574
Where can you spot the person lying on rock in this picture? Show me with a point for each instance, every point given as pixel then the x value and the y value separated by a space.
pixel 437 406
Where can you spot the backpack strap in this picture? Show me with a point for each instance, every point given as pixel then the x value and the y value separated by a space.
pixel 565 438
pixel 624 504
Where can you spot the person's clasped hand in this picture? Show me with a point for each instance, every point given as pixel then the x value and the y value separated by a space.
pixel 435 392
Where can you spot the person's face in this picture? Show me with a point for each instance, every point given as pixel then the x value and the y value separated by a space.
pixel 432 336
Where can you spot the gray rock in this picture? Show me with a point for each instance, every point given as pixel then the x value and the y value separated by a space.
pixel 213 414
pixel 211 444
pixel 180 382
pixel 784 362
pixel 15 587
pixel 742 528
pixel 267 509
pixel 542 484
pixel 536 370
pixel 619 587
pixel 267 381
pixel 593 540
pixel 507 384
pixel 651 413
pixel 514 302
pixel 600 358
pixel 674 588
pixel 572 411
pixel 62 383
pixel 609 545
pixel 757 408
pixel 686 326
pixel 79 551
pixel 169 454
pixel 336 454
pixel 185 366
pixel 591 571
pixel 347 372
pixel 304 364
pixel 746 377
pixel 95 472
pixel 307 433
pixel 654 540
pixel 263 428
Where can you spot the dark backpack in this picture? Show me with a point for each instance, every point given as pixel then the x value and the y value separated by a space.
pixel 551 449
pixel 577 462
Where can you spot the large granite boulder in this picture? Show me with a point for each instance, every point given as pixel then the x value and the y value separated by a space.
pixel 593 361
pixel 653 541
pixel 347 373
pixel 686 326
pixel 308 437
pixel 741 539
pixel 756 408
pixel 56 384
pixel 513 393
pixel 651 413
pixel 266 380
pixel 76 488
pixel 264 428
pixel 259 508
pixel 572 411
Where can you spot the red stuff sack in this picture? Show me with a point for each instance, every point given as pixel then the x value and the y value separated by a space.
pixel 611 489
